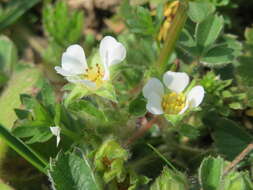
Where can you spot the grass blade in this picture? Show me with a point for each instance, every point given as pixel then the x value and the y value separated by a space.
pixel 24 150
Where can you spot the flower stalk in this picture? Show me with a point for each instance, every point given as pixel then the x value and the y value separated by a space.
pixel 172 36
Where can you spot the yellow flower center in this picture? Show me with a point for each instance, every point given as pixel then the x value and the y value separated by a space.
pixel 173 103
pixel 95 74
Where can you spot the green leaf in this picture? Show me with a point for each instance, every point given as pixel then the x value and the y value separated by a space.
pixel 64 27
pixel 8 54
pixel 229 138
pixel 210 173
pixel 87 107
pixel 220 2
pixel 249 35
pixel 22 114
pixel 77 92
pixel 46 94
pixel 218 56
pixel 71 172
pixel 25 151
pixel 108 92
pixel 208 30
pixel 174 119
pixel 20 82
pixel 36 130
pixel 138 19
pixel 189 131
pixel 245 69
pixel 13 10
pixel 138 106
pixel 199 10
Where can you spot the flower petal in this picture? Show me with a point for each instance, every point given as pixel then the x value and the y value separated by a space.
pixel 74 60
pixel 111 51
pixel 154 85
pixel 154 104
pixel 88 83
pixel 62 71
pixel 195 96
pixel 56 132
pixel 106 72
pixel 176 81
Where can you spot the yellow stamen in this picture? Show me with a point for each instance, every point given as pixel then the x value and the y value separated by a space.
pixel 95 74
pixel 173 103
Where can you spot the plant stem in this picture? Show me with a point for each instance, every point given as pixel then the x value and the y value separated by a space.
pixel 161 156
pixel 239 158
pixel 141 131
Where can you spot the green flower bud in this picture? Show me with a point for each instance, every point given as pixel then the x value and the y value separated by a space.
pixel 110 159
pixel 170 180
pixel 237 180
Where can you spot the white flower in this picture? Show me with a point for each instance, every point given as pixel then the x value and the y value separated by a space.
pixel 175 101
pixel 56 132
pixel 74 66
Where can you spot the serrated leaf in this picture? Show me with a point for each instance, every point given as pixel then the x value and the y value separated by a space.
pixel 64 27
pixel 37 131
pixel 208 30
pixel 71 172
pixel 87 107
pixel 218 56
pixel 108 92
pixel 189 131
pixel 199 10
pixel 138 19
pixel 210 173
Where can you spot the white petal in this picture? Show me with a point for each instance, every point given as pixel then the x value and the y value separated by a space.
pixel 195 96
pixel 56 132
pixel 175 81
pixel 106 72
pixel 111 51
pixel 62 71
pixel 74 60
pixel 73 79
pixel 153 86
pixel 154 104
pixel 88 83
